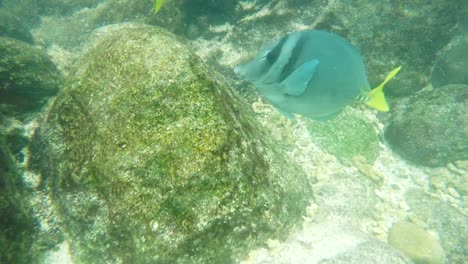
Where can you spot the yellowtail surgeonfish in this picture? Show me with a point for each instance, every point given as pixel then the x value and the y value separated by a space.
pixel 312 73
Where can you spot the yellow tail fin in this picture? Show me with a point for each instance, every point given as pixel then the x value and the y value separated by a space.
pixel 157 5
pixel 376 95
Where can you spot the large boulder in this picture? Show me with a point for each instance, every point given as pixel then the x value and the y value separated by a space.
pixel 151 159
pixel 430 128
pixel 27 77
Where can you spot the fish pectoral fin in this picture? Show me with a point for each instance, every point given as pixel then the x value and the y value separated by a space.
pixel 376 95
pixel 296 83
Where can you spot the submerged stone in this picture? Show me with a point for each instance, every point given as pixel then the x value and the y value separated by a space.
pixel 430 127
pixel 27 77
pixel 346 137
pixel 151 159
pixel 11 26
pixel 415 242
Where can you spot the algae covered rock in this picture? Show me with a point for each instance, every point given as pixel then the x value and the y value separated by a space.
pixel 150 159
pixel 27 77
pixel 348 135
pixel 430 128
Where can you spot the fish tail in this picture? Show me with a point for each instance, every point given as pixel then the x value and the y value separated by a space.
pixel 376 95
pixel 157 5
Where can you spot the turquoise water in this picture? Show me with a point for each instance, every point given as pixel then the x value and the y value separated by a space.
pixel 126 136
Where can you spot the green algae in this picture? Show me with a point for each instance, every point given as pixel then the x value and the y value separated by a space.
pixel 347 136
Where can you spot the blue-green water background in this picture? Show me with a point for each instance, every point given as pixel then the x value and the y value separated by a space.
pixel 415 155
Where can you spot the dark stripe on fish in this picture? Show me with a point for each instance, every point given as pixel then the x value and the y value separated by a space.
pixel 274 54
pixel 291 66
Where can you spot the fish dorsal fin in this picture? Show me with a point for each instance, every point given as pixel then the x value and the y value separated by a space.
pixel 296 83
pixel 376 95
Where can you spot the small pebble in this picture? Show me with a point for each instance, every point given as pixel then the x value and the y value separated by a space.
pixel 414 219
pixel 454 169
pixel 465 201
pixel 273 244
pixel 381 195
pixel 453 192
pixel 404 206
pixel 378 230
pixel 322 177
pixel 154 225
pixel 437 182
pixel 311 210
pixel 462 164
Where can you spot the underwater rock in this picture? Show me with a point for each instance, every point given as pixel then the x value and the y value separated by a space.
pixel 416 243
pixel 451 67
pixel 11 26
pixel 448 222
pixel 16 221
pixel 430 128
pixel 27 77
pixel 151 159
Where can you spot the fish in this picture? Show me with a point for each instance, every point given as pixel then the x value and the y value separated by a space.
pixel 312 73
pixel 157 5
